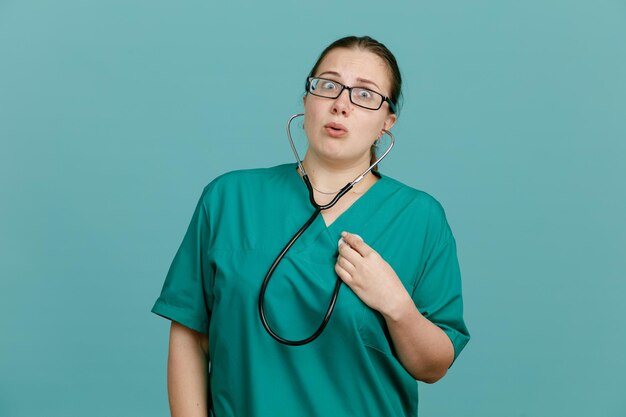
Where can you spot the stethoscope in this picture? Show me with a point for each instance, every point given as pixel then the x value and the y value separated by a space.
pixel 318 209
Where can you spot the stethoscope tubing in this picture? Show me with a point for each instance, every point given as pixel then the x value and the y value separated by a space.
pixel 267 280
pixel 318 208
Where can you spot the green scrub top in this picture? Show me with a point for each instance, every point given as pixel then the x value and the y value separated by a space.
pixel 241 222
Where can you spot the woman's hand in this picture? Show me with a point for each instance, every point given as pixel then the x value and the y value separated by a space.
pixel 424 350
pixel 371 278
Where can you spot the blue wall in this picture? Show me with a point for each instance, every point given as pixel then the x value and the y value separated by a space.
pixel 114 115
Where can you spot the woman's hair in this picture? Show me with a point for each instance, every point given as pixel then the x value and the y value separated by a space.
pixel 371 45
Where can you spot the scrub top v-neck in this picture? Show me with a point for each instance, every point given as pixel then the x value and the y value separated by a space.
pixel 241 222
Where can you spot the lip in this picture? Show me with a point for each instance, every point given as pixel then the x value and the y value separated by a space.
pixel 335 130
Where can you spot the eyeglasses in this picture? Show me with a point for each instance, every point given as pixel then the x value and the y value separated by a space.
pixel 362 97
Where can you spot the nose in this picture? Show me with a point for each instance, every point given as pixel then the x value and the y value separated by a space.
pixel 342 104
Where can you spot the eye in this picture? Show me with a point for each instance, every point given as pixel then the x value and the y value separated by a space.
pixel 365 94
pixel 328 85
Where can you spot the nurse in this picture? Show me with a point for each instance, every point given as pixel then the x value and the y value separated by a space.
pixel 399 313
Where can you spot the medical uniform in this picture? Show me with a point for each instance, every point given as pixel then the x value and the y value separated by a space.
pixel 241 222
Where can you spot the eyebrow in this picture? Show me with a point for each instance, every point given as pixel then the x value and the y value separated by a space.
pixel 360 80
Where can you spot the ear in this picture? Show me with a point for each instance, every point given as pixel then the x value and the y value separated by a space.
pixel 390 121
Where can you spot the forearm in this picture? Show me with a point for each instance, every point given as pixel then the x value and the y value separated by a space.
pixel 424 350
pixel 186 373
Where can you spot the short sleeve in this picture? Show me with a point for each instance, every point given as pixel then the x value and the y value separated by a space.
pixel 186 296
pixel 437 293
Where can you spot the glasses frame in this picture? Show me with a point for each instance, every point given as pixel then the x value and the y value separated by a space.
pixel 392 105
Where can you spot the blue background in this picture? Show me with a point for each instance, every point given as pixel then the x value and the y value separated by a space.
pixel 115 114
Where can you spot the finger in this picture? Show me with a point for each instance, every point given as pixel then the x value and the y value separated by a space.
pixel 346 264
pixel 343 274
pixel 350 254
pixel 356 243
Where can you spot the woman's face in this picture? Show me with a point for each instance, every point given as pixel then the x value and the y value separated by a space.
pixel 358 127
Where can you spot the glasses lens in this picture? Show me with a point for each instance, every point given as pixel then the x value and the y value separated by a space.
pixel 324 88
pixel 331 89
pixel 366 98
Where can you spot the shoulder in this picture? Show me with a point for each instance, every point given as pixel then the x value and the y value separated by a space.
pixel 422 206
pixel 248 177
pixel 252 174
pixel 243 183
pixel 419 200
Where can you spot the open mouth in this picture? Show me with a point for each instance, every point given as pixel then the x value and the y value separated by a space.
pixel 335 129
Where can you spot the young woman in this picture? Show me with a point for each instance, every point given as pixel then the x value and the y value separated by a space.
pixel 398 315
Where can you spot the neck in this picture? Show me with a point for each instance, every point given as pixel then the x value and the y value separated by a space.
pixel 331 177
